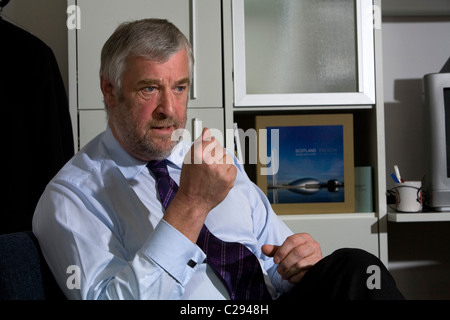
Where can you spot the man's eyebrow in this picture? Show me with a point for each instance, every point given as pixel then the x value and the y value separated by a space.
pixel 183 81
pixel 155 81
pixel 148 82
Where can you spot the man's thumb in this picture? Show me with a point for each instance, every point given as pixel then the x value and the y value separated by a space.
pixel 269 249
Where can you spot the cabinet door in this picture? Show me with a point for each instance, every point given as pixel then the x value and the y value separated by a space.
pixel 294 53
pixel 206 118
pixel 335 231
pixel 199 20
pixel 91 123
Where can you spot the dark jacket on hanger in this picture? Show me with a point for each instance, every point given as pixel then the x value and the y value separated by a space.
pixel 36 128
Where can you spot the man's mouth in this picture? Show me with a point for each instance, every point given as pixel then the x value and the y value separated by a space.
pixel 163 129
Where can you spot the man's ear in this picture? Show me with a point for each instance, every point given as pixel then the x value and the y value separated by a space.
pixel 108 92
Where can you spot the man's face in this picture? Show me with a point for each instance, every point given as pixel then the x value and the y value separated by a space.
pixel 152 104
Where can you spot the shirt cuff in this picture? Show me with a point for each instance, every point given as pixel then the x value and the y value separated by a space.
pixel 173 252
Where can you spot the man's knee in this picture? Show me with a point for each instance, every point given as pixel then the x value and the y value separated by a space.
pixel 367 273
pixel 347 274
pixel 355 258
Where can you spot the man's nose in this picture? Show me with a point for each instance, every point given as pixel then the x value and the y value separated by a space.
pixel 166 104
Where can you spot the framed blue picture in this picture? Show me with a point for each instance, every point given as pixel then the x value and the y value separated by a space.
pixel 306 163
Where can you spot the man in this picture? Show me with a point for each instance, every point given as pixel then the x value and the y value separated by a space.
pixel 103 218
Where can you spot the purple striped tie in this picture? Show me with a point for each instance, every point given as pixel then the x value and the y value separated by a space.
pixel 233 262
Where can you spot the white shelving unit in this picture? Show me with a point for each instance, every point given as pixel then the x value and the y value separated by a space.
pixel 418 216
pixel 366 230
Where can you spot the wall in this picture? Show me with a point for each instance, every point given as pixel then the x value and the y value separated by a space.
pixel 413 47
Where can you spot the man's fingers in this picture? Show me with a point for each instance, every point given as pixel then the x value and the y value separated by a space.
pixel 295 269
pixel 206 134
pixel 212 152
pixel 286 248
pixel 295 256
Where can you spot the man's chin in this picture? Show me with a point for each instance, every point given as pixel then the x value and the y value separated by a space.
pixel 160 149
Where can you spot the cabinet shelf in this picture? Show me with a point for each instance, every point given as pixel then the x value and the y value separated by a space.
pixel 418 217
pixel 302 108
pixel 328 216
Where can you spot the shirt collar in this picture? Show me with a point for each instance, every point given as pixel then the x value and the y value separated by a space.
pixel 131 166
pixel 176 158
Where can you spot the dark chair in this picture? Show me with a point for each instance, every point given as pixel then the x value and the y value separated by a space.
pixel 24 274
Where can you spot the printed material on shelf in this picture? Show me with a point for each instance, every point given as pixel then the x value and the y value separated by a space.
pixel 314 161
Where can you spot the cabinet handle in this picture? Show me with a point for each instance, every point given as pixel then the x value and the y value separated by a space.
pixel 193 5
pixel 197 128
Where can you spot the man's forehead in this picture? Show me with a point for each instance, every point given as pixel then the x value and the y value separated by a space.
pixel 153 72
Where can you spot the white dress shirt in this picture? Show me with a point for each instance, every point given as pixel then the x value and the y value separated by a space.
pixel 99 223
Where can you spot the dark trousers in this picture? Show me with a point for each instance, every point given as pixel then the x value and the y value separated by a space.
pixel 346 274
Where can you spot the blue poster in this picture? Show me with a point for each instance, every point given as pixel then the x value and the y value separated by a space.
pixel 311 164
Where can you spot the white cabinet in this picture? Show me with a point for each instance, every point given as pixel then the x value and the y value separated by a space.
pixel 199 20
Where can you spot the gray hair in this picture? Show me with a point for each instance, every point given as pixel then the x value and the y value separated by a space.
pixel 153 39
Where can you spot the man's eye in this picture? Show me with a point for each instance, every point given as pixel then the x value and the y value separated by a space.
pixel 149 89
pixel 180 88
pixel 147 92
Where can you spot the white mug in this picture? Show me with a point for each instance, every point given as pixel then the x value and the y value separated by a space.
pixel 408 196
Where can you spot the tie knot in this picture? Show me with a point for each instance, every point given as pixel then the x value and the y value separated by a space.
pixel 159 168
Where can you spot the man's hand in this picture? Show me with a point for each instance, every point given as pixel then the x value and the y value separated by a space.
pixel 208 173
pixel 207 176
pixel 295 256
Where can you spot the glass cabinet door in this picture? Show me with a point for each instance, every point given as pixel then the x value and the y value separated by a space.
pixel 303 52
